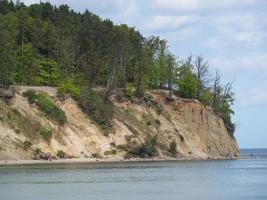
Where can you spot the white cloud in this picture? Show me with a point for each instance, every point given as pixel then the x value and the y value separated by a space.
pixel 255 62
pixel 177 5
pixel 189 5
pixel 167 23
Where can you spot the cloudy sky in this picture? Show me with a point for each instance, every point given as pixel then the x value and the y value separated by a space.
pixel 231 34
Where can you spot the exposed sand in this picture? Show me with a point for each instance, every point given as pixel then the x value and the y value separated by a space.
pixel 95 160
pixel 197 130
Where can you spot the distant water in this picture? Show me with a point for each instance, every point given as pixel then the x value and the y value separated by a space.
pixel 243 179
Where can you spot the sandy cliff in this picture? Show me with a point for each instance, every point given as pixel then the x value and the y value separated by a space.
pixel 199 133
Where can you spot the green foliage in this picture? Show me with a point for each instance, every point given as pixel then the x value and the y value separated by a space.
pixel 157 121
pixel 128 92
pixel 93 105
pixel 147 149
pixel 68 87
pixel 42 44
pixel 206 97
pixel 48 72
pixel 20 123
pixel 173 148
pixel 46 105
pixel 26 145
pixel 7 38
pixel 111 152
pixel 31 96
pixel 61 154
pixel 187 82
pixel 46 133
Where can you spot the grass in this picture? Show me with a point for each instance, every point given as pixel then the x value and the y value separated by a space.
pixel 22 124
pixel 130 120
pixel 30 127
pixel 96 109
pixel 47 106
pixel 46 133
pixel 150 120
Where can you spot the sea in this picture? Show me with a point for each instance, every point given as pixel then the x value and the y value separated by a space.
pixel 242 179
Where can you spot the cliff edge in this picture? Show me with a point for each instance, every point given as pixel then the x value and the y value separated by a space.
pixel 189 127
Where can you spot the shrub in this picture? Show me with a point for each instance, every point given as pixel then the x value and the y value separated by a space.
pixel 159 110
pixel 147 149
pixel 93 105
pixel 46 105
pixel 61 154
pixel 129 92
pixel 22 124
pixel 112 152
pixel 26 145
pixel 96 155
pixel 46 133
pixel 157 122
pixel 68 87
pixel 31 96
pixel 113 144
pixel 173 148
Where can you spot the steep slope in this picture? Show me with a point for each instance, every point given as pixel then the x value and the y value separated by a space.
pixel 198 132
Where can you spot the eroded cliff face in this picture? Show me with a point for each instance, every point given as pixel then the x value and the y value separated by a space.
pixel 198 132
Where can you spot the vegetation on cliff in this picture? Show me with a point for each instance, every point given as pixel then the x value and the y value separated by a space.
pixel 47 45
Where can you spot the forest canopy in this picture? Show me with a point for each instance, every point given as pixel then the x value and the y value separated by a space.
pixel 45 45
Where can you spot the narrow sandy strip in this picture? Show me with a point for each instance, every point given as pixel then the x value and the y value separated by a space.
pixel 94 160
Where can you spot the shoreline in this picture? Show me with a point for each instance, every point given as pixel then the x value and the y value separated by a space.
pixel 95 161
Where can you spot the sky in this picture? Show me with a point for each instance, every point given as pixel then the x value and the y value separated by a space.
pixel 230 34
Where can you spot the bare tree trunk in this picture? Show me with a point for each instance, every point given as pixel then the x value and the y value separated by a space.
pixel 110 83
pixel 138 91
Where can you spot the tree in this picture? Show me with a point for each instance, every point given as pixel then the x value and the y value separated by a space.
pixel 7 38
pixel 6 6
pixel 186 81
pixel 202 73
pixel 47 72
pixel 223 98
pixel 141 64
pixel 24 75
pixel 171 65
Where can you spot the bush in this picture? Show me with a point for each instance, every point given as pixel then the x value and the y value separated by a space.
pixel 113 144
pixel 46 105
pixel 112 152
pixel 22 124
pixel 46 133
pixel 61 154
pixel 173 148
pixel 93 105
pixel 31 96
pixel 147 149
pixel 68 87
pixel 129 92
pixel 26 145
pixel 157 121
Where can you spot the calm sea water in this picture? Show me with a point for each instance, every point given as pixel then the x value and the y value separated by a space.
pixel 213 180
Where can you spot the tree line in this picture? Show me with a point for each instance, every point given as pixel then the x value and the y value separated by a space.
pixel 42 44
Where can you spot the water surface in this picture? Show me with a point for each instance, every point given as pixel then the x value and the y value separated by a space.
pixel 212 180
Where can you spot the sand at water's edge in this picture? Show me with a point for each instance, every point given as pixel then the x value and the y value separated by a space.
pixel 93 160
